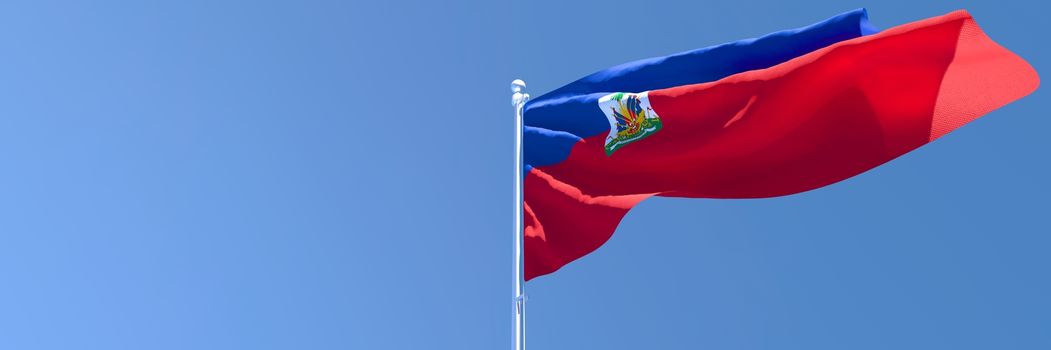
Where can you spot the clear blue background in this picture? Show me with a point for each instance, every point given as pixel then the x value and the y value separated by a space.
pixel 337 175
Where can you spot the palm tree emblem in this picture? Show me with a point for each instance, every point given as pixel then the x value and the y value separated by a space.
pixel 631 119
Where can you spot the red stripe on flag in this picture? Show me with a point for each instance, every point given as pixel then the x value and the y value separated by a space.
pixel 574 224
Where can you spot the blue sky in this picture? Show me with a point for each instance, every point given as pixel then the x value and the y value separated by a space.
pixel 337 175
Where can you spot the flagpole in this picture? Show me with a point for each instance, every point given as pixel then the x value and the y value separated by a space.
pixel 518 99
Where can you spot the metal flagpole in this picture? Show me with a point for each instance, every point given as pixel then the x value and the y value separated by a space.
pixel 518 100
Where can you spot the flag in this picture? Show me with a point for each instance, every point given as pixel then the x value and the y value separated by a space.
pixel 781 114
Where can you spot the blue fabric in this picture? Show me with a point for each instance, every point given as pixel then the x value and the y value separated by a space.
pixel 567 114
pixel 573 109
pixel 556 145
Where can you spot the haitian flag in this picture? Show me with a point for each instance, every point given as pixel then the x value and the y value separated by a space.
pixel 781 114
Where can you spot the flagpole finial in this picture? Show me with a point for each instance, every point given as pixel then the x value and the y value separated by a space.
pixel 518 88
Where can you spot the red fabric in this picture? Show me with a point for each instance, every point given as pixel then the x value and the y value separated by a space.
pixel 807 123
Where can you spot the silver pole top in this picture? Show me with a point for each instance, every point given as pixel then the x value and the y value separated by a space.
pixel 517 85
pixel 520 97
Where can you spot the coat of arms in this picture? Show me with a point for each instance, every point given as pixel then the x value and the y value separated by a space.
pixel 631 118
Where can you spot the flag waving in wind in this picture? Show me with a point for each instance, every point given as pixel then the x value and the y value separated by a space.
pixel 781 114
